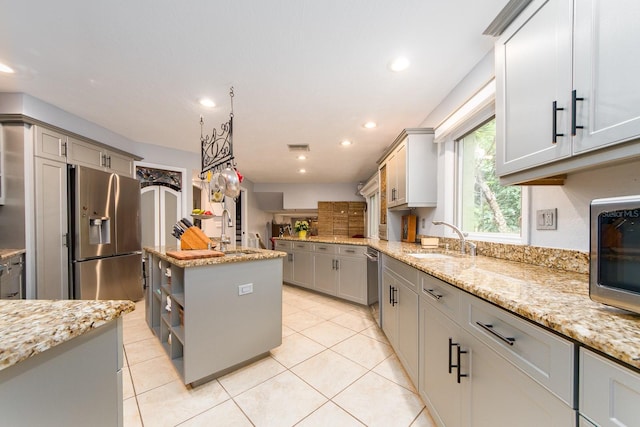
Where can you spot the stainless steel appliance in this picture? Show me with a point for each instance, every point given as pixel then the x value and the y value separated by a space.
pixel 373 289
pixel 614 275
pixel 106 251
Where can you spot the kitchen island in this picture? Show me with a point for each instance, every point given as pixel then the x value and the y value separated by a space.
pixel 213 315
pixel 61 361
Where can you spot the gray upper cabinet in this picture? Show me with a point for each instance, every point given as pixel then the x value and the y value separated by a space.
pixel 566 87
pixel 533 70
pixel 606 72
pixel 411 170
pixel 50 144
pixel 94 156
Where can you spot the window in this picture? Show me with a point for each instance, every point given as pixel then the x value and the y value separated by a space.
pixel 483 205
pixel 372 215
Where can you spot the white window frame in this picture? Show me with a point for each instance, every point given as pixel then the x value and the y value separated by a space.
pixel 476 111
pixel 369 190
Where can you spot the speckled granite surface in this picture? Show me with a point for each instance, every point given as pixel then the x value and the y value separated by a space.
pixel 553 298
pixel 29 327
pixel 249 254
pixel 8 253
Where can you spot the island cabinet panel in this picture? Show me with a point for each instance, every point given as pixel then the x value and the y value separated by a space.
pixel 76 383
pixel 609 393
pixel 213 318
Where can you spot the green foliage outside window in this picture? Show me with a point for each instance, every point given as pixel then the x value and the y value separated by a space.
pixel 486 206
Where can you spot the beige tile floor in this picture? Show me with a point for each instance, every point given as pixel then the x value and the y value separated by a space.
pixel 334 368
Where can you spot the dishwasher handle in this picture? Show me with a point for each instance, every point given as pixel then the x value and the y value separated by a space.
pixel 372 257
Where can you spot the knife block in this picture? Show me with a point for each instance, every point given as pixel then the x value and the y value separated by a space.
pixel 194 238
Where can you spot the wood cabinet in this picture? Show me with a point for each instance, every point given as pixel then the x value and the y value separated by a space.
pixel 481 366
pixel 400 312
pixel 196 311
pixel 609 393
pixel 345 219
pixel 566 87
pixel 410 166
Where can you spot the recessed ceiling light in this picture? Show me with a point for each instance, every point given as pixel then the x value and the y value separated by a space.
pixel 302 157
pixel 346 143
pixel 206 102
pixel 302 170
pixel 399 64
pixel 6 69
pixel 370 125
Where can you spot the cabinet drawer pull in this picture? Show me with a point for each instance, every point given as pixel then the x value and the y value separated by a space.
pixel 350 251
pixel 451 344
pixel 432 294
pixel 489 328
pixel 574 100
pixel 554 126
pixel 322 248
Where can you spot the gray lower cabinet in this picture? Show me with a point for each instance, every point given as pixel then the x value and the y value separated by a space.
pixel 287 262
pixel 400 312
pixel 481 366
pixel 325 280
pixel 609 393
pixel 302 264
pixel 12 278
pixel 338 270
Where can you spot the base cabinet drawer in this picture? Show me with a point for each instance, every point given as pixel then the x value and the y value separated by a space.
pixel 544 356
pixel 609 393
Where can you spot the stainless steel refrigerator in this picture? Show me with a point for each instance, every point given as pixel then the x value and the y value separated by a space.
pixel 106 252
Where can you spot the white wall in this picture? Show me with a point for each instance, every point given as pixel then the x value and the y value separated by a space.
pixel 307 196
pixel 572 199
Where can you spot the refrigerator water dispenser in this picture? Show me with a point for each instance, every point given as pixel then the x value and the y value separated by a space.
pixel 99 231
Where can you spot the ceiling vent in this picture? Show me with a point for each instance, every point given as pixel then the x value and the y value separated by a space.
pixel 298 147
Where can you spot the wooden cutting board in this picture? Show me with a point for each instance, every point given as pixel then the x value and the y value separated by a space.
pixel 194 254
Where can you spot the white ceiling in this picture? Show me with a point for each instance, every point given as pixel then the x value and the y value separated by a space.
pixel 303 71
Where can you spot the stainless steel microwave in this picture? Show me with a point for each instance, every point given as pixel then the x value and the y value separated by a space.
pixel 614 272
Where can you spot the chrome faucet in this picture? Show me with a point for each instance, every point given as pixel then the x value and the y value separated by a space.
pixel 224 239
pixel 462 236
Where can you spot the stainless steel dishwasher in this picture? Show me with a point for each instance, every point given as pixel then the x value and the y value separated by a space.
pixel 373 288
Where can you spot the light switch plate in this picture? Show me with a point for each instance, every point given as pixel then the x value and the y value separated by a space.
pixel 245 289
pixel 547 219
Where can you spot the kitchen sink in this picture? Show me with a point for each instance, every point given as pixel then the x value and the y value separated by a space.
pixel 430 255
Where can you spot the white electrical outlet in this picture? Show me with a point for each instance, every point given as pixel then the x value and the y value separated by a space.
pixel 245 289
pixel 547 219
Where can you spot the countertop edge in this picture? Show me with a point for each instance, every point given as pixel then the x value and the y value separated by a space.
pixel 31 327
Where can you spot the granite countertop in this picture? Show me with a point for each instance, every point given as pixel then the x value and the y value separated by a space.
pixel 30 327
pixel 237 254
pixel 8 253
pixel 556 299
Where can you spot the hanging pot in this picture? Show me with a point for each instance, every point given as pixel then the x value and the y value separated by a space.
pixel 232 182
